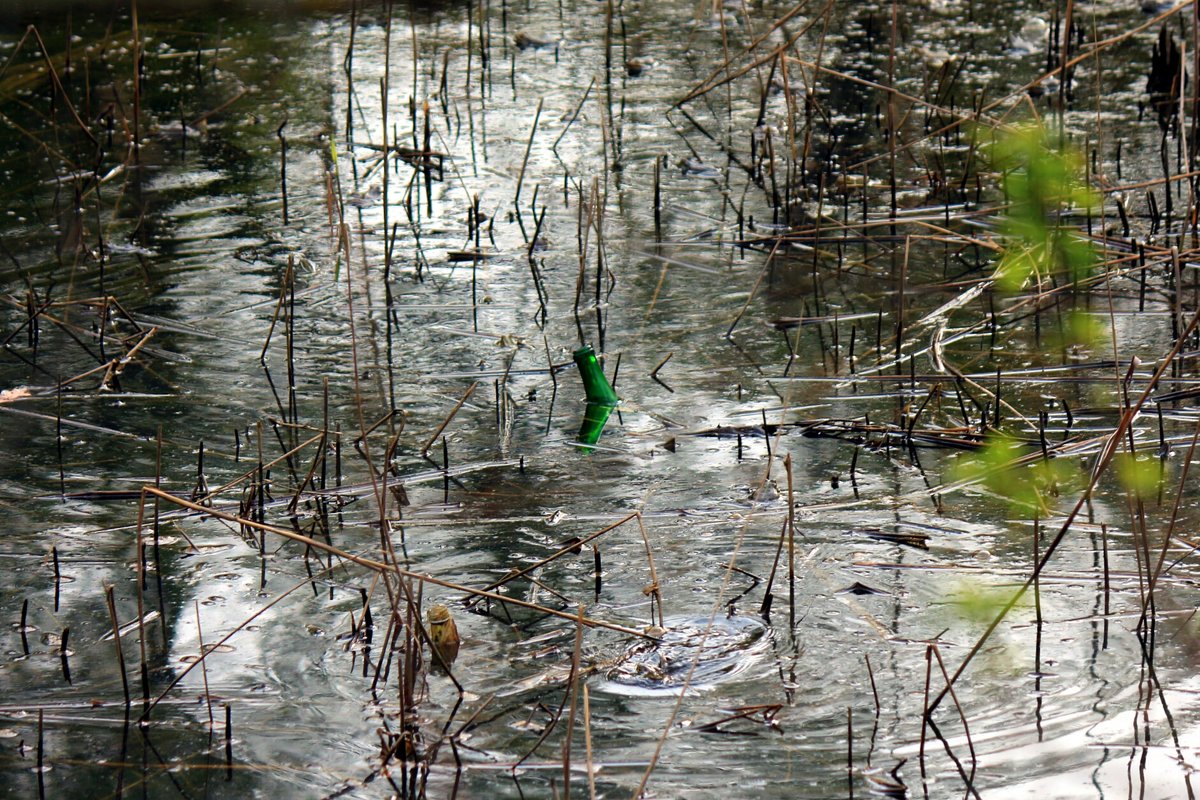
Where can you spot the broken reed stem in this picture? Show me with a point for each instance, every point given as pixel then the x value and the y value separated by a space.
pixel 25 626
pixel 874 689
pixel 143 666
pixel 57 576
pixel 962 715
pixel 454 411
pixel 1156 573
pixel 569 548
pixel 850 752
pixel 767 265
pixel 660 365
pixel 537 115
pixel 891 132
pixel 155 529
pixel 587 742
pixel 925 719
pixel 116 629
pixel 654 589
pixel 64 654
pixel 41 747
pixel 573 687
pixel 283 289
pixel 385 85
pixel 229 741
pixel 901 285
pixel 556 715
pixel 791 542
pixel 212 723
pixel 58 442
pixel 768 597
pixel 657 201
pixel 137 83
pixel 283 152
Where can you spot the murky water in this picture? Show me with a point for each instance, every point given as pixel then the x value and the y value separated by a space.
pixel 363 303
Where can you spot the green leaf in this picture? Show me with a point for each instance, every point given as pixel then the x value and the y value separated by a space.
pixel 1141 475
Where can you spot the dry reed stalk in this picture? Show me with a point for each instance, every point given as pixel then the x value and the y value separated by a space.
pixel 383 568
pixel 116 632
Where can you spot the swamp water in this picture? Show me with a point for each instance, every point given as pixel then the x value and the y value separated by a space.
pixel 396 355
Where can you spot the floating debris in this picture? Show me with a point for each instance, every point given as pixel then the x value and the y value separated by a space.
pixel 636 67
pixel 533 40
pixel 860 589
pixel 909 538
pixel 689 652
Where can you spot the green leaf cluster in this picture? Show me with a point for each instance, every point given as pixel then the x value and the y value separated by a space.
pixel 1028 487
pixel 1042 184
pixel 978 602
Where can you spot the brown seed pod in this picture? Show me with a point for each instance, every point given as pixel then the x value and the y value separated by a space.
pixel 443 633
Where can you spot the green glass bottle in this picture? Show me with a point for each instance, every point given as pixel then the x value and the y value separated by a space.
pixel 595 385
pixel 595 415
